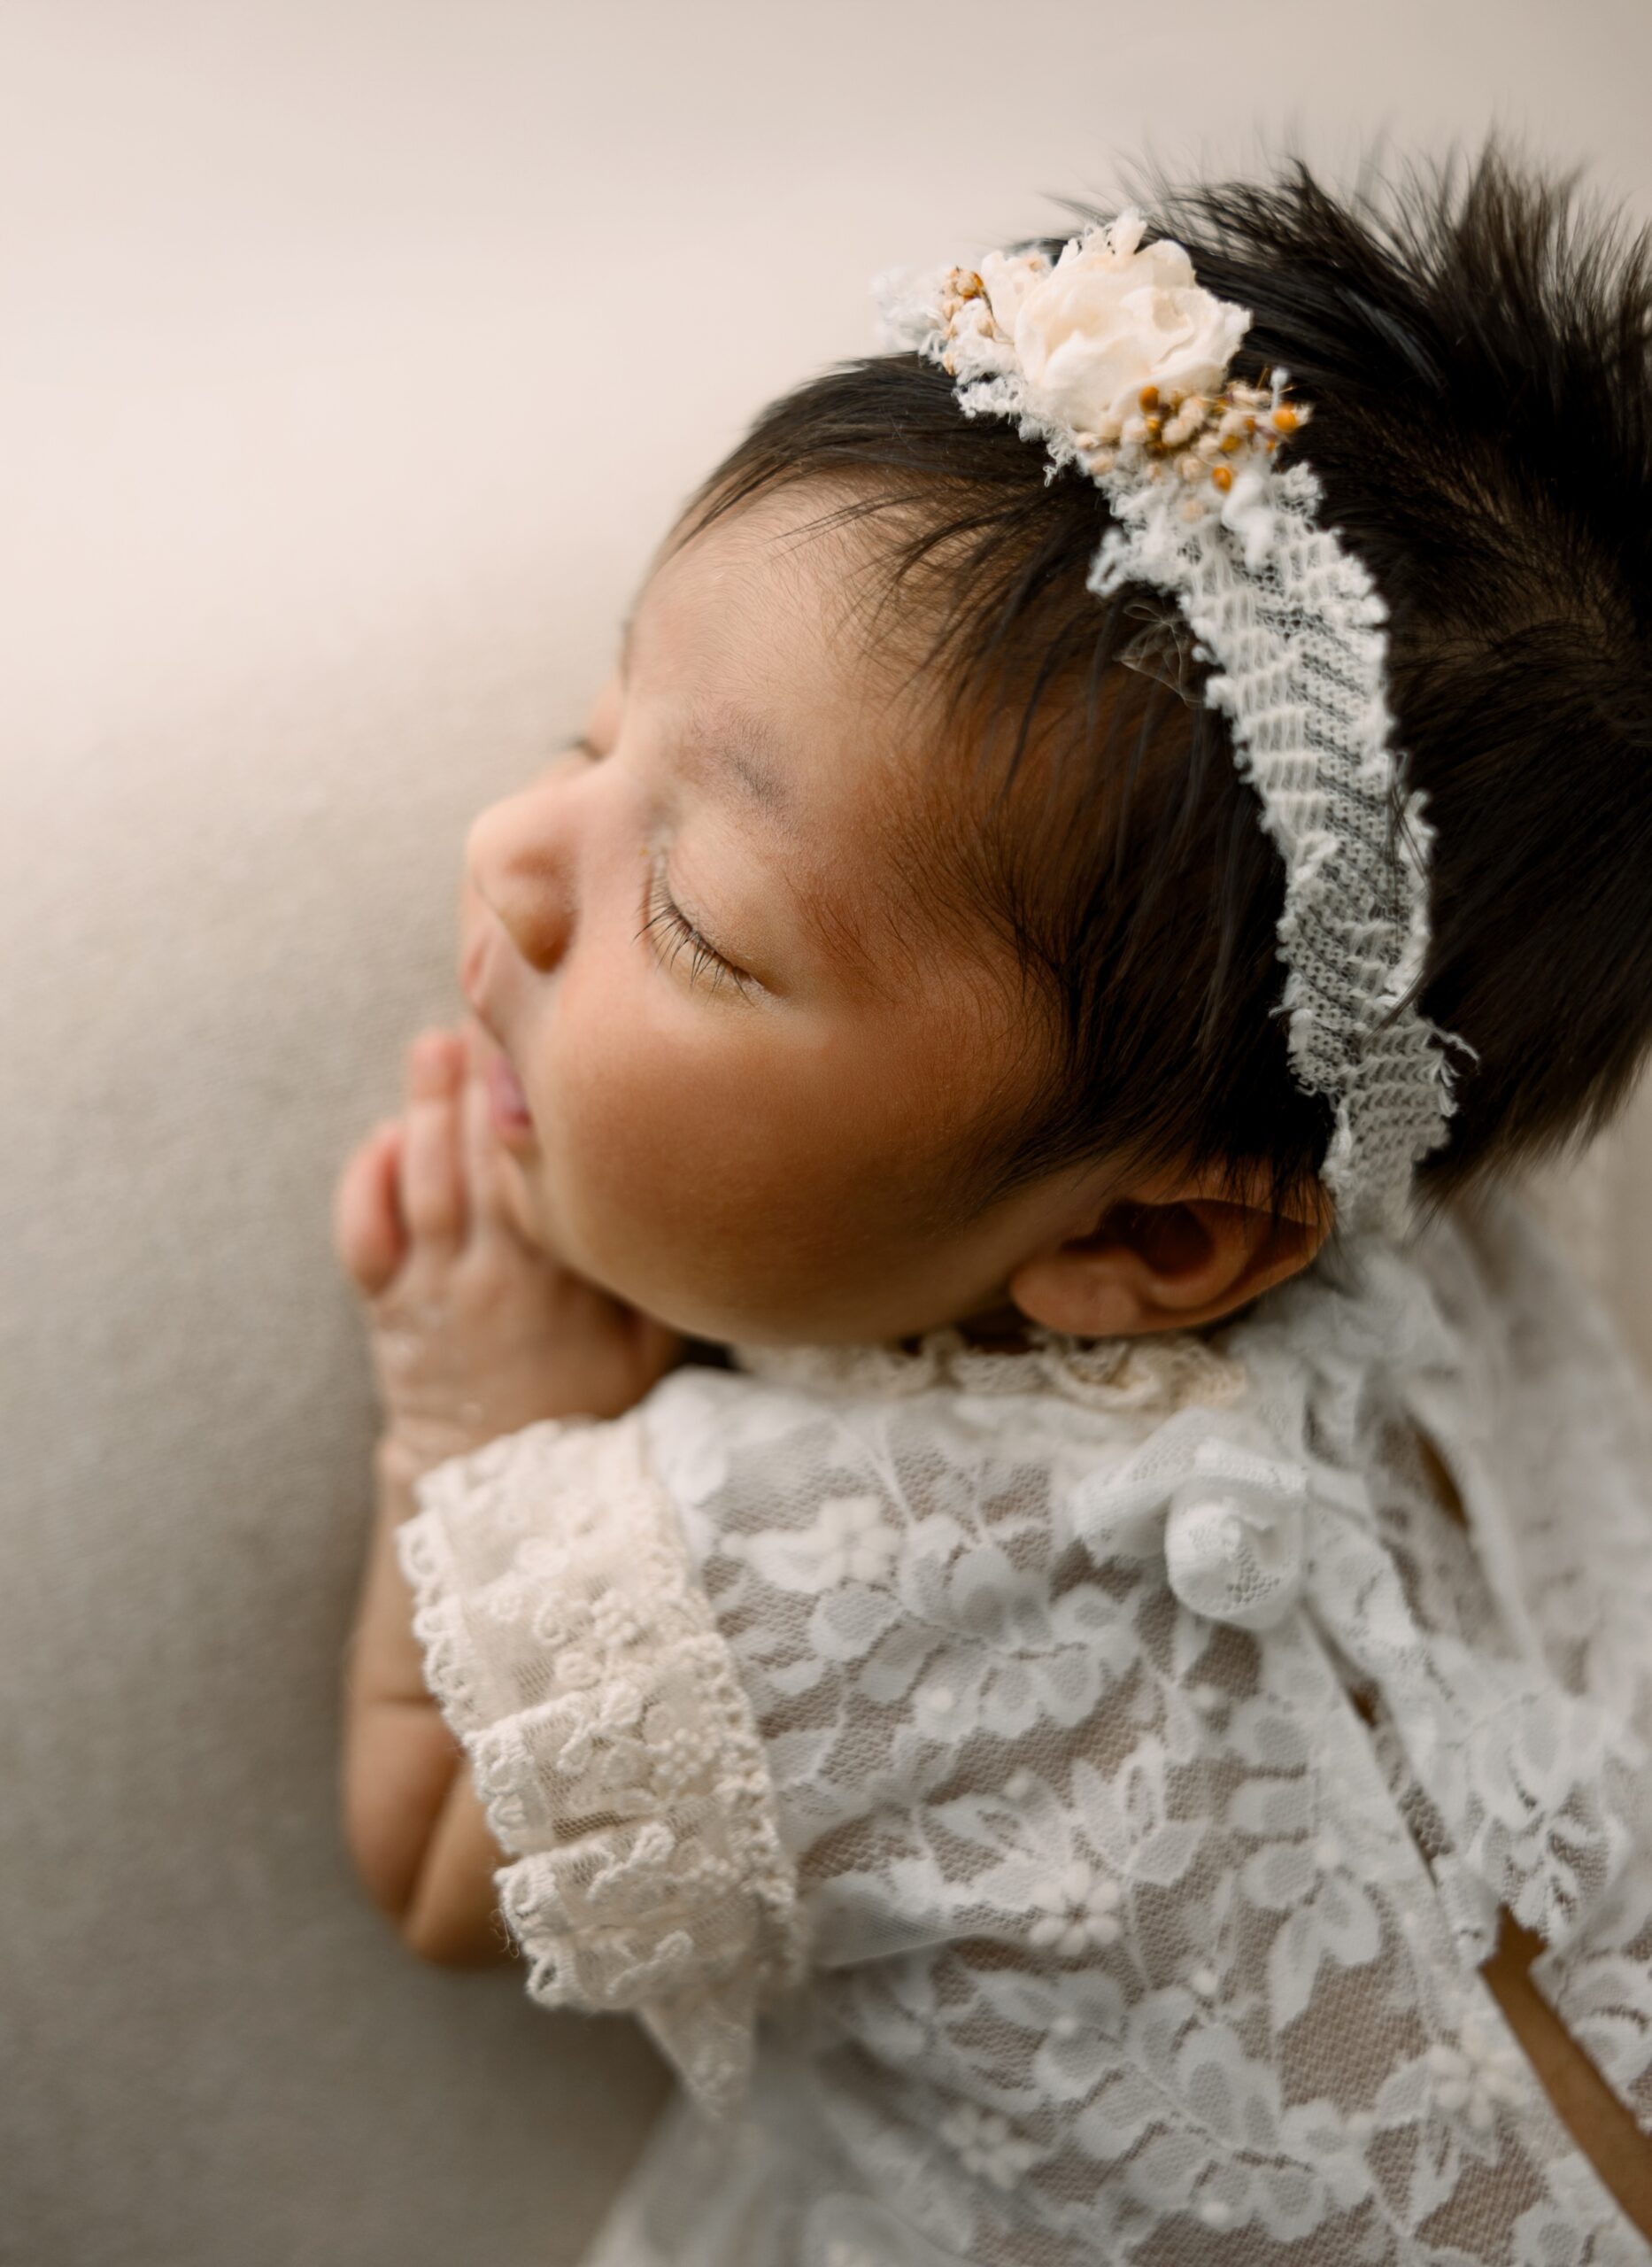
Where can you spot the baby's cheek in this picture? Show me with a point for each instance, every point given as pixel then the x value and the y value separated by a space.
pixel 608 1148
pixel 637 1152
pixel 698 1175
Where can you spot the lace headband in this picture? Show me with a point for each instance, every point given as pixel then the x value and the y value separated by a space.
pixel 1117 361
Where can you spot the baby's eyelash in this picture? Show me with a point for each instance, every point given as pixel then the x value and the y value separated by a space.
pixel 679 934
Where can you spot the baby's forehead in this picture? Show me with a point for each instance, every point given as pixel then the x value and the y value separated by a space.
pixel 774 588
pixel 752 637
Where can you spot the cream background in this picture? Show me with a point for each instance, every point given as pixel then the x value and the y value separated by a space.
pixel 351 356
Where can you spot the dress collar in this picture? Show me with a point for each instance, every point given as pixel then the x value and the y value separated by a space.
pixel 1166 1371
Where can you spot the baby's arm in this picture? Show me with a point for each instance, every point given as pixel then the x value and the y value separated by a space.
pixel 413 1822
pixel 474 1334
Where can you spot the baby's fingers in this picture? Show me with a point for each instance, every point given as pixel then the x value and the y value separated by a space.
pixel 483 1159
pixel 432 1173
pixel 369 1238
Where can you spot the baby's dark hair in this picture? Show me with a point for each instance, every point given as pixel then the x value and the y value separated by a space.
pixel 1477 351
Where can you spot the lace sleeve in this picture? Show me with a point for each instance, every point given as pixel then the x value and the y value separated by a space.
pixel 573 1654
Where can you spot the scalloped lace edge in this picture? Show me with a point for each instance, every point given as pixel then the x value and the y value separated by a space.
pixel 706 1927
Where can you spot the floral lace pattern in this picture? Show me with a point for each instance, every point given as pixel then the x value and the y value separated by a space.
pixel 1149 1750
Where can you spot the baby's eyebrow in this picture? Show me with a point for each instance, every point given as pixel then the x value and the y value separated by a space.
pixel 732 741
pixel 713 735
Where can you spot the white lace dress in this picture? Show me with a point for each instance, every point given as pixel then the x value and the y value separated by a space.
pixel 1052 1807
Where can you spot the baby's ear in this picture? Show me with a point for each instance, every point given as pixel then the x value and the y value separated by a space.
pixel 1167 1254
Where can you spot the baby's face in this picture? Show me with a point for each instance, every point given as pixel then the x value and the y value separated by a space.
pixel 751 1133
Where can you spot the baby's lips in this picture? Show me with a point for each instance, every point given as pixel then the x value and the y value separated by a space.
pixel 511 1115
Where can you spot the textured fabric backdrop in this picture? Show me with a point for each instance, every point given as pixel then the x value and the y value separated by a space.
pixel 353 356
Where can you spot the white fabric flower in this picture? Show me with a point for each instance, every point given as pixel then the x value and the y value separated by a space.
pixel 1076 1910
pixel 851 1540
pixel 1111 317
pixel 988 2144
pixel 1477 2075
pixel 854 1540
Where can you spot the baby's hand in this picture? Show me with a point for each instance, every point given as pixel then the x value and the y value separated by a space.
pixel 475 1331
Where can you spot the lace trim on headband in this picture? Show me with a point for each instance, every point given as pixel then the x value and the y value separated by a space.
pixel 1294 625
pixel 1290 620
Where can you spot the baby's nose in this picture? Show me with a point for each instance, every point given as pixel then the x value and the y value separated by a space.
pixel 518 859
